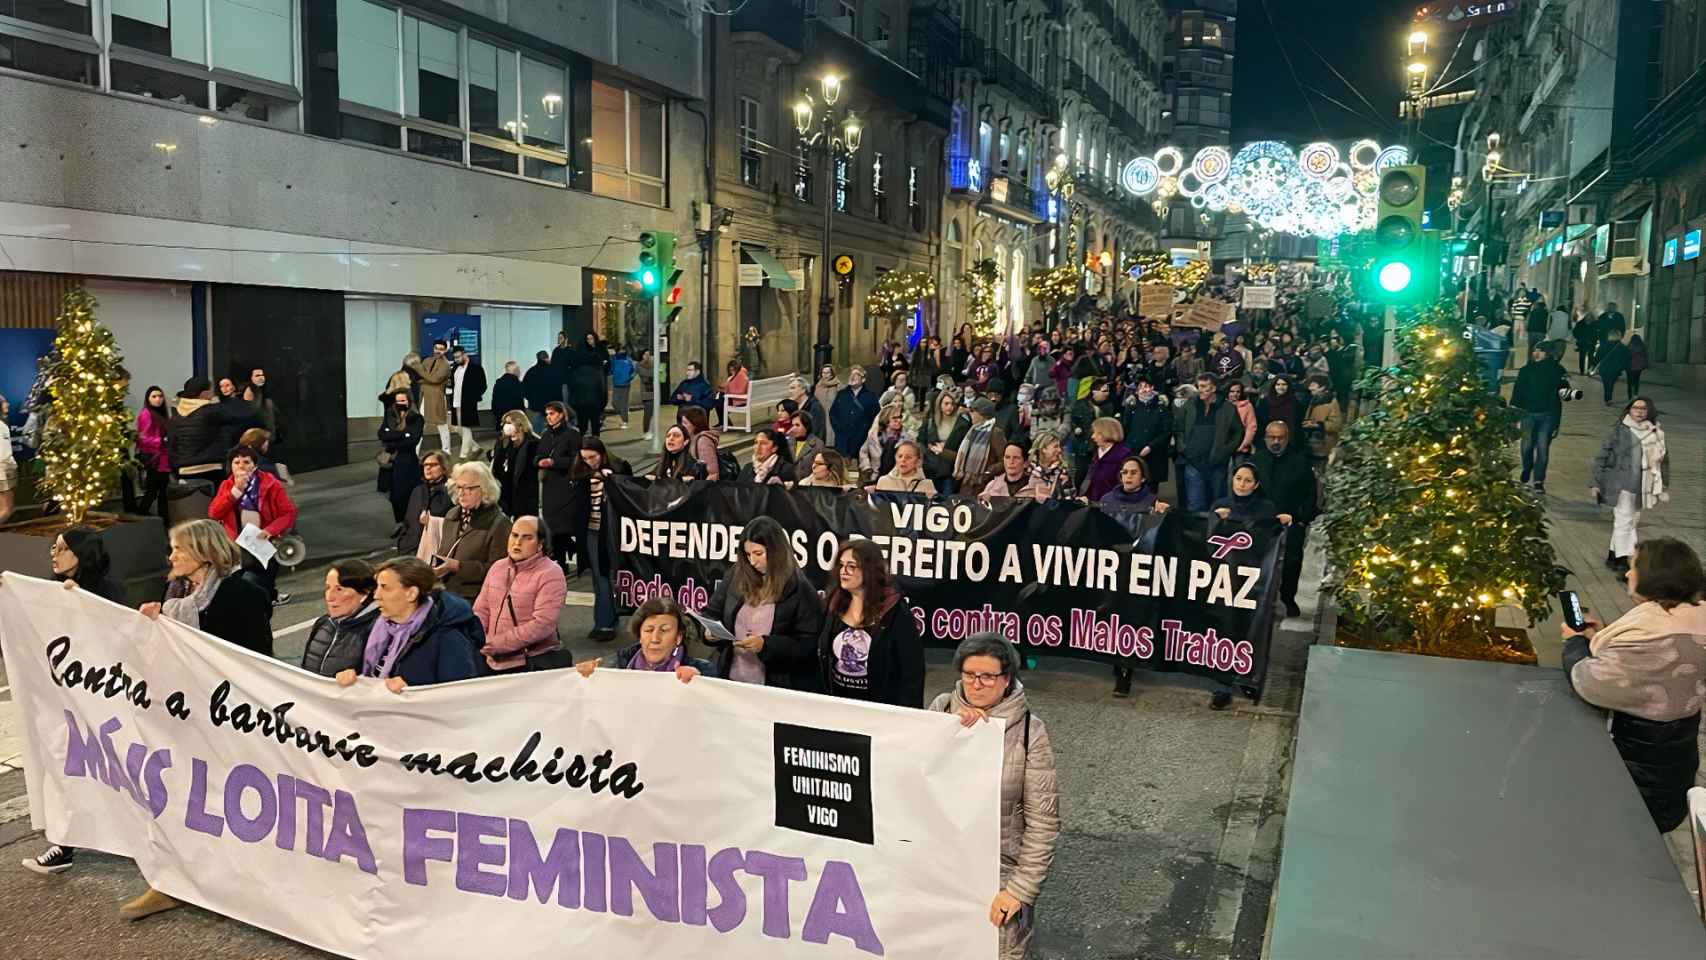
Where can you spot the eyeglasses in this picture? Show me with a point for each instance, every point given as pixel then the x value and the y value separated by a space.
pixel 465 488
pixel 848 566
pixel 981 679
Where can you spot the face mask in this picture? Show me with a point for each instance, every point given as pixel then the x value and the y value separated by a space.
pixel 1276 447
pixel 1145 394
pixel 509 429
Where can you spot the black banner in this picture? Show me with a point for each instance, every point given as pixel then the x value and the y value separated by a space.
pixel 1187 592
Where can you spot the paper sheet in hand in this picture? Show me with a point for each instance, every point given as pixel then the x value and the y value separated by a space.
pixel 714 631
pixel 258 546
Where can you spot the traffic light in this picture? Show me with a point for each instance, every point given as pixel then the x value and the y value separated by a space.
pixel 1406 258
pixel 657 260
pixel 672 299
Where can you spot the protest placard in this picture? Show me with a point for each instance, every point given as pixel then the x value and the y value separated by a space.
pixel 1259 296
pixel 1207 315
pixel 1155 300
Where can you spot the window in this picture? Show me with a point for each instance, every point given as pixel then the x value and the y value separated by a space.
pixel 47 60
pixel 1016 296
pixel 74 16
pixel 176 30
pixel 369 60
pixel 751 159
pixel 431 73
pixel 841 184
pixel 493 108
pixel 880 32
pixel 253 37
pixel 879 198
pixel 628 143
pixel 1211 34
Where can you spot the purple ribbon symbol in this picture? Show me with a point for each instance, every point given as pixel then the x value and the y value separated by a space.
pixel 1225 545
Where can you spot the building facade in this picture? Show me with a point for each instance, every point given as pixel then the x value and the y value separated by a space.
pixel 304 184
pixel 1201 44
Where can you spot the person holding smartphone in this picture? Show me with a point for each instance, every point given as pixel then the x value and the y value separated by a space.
pixel 1645 668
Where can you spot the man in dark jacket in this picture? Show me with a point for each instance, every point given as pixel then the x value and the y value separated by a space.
pixel 508 393
pixel 1288 480
pixel 808 404
pixel 468 388
pixel 1206 435
pixel 1536 394
pixel 541 386
pixel 558 452
pixel 203 431
pixel 560 361
pixel 852 413
pixel 694 391
pixel 1613 362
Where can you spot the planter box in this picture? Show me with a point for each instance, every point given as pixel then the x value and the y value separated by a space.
pixel 137 546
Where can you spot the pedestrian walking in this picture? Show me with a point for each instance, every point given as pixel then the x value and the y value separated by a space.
pixel 586 385
pixel 251 497
pixel 515 463
pixel 590 520
pixel 558 452
pixel 1539 395
pixel 659 631
pixel 824 391
pixel 1108 451
pixel 1284 471
pixel 852 413
pixel 338 638
pixel 702 444
pixel 424 634
pixel 400 432
pixel 476 531
pixel 541 387
pixel 153 453
pixel 1632 473
pixel 1586 334
pixel 621 380
pixel 1613 362
pixel 1323 420
pixel 1637 364
pixel 989 687
pixel 509 393
pixel 1205 437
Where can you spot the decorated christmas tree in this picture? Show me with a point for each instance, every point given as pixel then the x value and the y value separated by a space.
pixel 980 283
pixel 1427 531
pixel 1053 289
pixel 896 294
pixel 86 433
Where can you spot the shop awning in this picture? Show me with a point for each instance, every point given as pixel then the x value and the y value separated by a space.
pixel 773 269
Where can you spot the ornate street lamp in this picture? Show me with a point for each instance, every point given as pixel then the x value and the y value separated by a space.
pixel 836 134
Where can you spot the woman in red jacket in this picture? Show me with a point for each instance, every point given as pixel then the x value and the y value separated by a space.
pixel 251 497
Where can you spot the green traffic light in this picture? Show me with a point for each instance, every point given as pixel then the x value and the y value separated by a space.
pixel 648 279
pixel 1395 276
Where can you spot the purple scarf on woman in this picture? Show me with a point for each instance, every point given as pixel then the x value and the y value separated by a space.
pixel 639 662
pixel 385 642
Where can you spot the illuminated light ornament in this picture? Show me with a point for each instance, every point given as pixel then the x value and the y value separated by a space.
pixel 1264 177
pixel 1212 164
pixel 1199 201
pixel 1160 207
pixel 1363 154
pixel 1233 206
pixel 1169 186
pixel 1169 160
pixel 1141 176
pixel 1190 184
pixel 1216 196
pixel 1393 156
pixel 1339 187
pixel 1317 160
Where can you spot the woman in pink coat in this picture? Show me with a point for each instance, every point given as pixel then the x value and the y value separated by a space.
pixel 153 425
pixel 1246 414
pixel 518 605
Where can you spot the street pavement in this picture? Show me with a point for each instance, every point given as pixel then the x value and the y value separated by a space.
pixel 1171 812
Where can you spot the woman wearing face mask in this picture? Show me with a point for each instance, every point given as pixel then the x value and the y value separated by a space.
pixel 659 630
pixel 337 639
pixel 1632 473
pixel 514 463
pixel 1030 799
pixel 153 431
pixel 429 502
pixel 772 610
pixel 908 473
pixel 399 466
pixel 1281 403
pixel 591 522
pixel 1147 418
pixel 869 648
pixel 770 460
pixel 675 463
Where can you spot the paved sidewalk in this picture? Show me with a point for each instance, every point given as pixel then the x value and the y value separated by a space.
pixel 1581 529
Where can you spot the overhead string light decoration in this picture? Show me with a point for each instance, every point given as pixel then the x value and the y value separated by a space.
pixel 1316 190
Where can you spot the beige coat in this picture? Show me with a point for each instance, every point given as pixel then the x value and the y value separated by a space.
pixel 435 372
pixel 1325 412
pixel 1030 807
pixel 1647 663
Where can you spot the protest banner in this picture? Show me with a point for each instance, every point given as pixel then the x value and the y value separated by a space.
pixel 1206 314
pixel 1155 300
pixel 624 814
pixel 1187 592
pixel 1258 296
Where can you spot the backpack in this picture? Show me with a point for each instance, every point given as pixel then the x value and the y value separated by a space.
pixel 728 468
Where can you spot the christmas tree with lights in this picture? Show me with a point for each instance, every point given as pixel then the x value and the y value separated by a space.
pixel 980 283
pixel 1427 532
pixel 86 433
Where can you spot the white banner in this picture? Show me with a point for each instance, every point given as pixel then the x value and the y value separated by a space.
pixel 626 813
pixel 1258 296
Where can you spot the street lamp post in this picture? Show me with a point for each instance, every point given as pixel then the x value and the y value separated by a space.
pixel 838 133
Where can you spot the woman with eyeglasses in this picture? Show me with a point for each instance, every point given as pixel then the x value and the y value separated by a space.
pixel 869 648
pixel 1030 800
pixel 476 531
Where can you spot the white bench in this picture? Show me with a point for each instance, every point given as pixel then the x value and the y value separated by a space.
pixel 762 395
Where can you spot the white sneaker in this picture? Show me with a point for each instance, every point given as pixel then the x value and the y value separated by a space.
pixel 55 859
pixel 624 424
pixel 648 435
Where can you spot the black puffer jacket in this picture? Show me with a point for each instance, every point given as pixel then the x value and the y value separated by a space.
pixel 790 648
pixel 335 645
pixel 203 431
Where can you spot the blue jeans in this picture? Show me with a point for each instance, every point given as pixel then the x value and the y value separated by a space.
pixel 1200 486
pixel 1537 429
pixel 603 595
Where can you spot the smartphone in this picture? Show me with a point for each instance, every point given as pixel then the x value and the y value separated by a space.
pixel 1571 603
pixel 438 560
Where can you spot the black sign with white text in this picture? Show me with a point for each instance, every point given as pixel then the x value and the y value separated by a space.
pixel 823 782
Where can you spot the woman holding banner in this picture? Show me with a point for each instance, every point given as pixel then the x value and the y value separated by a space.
pixel 1030 799
pixel 772 610
pixel 869 648
pixel 424 634
pixel 660 633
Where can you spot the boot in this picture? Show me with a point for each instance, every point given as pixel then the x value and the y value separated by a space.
pixel 1611 560
pixel 147 905
pixel 1122 681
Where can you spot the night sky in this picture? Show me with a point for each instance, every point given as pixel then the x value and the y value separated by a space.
pixel 1363 39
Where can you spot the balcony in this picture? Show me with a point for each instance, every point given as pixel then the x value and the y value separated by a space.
pixel 926 90
pixel 1127 123
pixel 999 69
pixel 993 192
pixel 1075 78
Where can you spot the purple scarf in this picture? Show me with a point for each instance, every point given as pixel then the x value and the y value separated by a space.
pixel 639 662
pixel 385 642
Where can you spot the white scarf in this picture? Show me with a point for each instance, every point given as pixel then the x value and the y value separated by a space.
pixel 1652 442
pixel 187 609
pixel 761 471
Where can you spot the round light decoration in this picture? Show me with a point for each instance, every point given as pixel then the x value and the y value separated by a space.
pixel 1169 186
pixel 1141 176
pixel 1216 196
pixel 1393 156
pixel 1169 160
pixel 1211 164
pixel 1363 153
pixel 1263 175
pixel 1317 160
pixel 1199 201
pixel 1190 184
